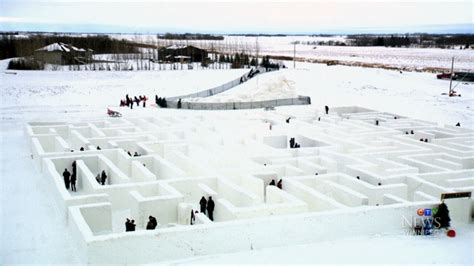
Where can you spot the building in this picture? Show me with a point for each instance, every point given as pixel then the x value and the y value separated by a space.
pixel 63 54
pixel 182 53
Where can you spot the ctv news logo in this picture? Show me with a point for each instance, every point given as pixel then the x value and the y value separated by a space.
pixel 423 223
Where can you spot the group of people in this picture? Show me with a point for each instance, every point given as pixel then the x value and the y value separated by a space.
pixel 70 179
pixel 101 178
pixel 294 144
pixel 136 154
pixel 279 184
pixel 82 149
pixel 206 205
pixel 161 102
pixel 412 133
pixel 129 101
pixel 130 225
pixel 249 75
pixel 252 73
pixel 151 225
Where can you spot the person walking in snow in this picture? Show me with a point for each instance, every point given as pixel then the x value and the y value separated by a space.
pixel 137 101
pixel 127 225
pixel 144 101
pixel 210 208
pixel 103 177
pixel 74 167
pixel 127 99
pixel 272 183
pixel 179 104
pixel 292 142
pixel 280 184
pixel 193 218
pixel 327 109
pixel 73 181
pixel 203 204
pixel 66 175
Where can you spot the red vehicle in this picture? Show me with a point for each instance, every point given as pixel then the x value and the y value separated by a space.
pixel 445 76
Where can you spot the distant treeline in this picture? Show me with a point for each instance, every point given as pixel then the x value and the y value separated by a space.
pixel 261 35
pixel 17 46
pixel 190 36
pixel 423 40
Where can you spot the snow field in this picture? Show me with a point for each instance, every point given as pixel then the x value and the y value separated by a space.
pixel 183 141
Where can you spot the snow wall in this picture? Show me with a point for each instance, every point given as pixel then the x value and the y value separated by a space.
pixel 203 239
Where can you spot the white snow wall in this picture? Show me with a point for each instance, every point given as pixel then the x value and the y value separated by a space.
pixel 205 239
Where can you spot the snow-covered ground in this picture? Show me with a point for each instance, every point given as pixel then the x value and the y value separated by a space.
pixel 102 88
pixel 409 58
pixel 412 94
pixel 377 250
pixel 32 233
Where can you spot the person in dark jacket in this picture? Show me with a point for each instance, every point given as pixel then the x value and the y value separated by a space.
pixel 193 218
pixel 132 225
pixel 326 108
pixel 203 204
pixel 127 225
pixel 74 167
pixel 179 104
pixel 103 177
pixel 280 184
pixel 73 181
pixel 144 101
pixel 292 142
pixel 67 176
pixel 272 183
pixel 210 208
pixel 152 223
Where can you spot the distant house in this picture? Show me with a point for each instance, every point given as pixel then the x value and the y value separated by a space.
pixel 63 54
pixel 182 53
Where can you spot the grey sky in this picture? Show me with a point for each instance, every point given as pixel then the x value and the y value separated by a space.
pixel 232 16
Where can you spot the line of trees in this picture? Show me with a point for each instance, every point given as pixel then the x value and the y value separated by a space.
pixel 14 46
pixel 190 36
pixel 408 40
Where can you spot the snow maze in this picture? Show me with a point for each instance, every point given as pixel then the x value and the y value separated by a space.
pixel 357 172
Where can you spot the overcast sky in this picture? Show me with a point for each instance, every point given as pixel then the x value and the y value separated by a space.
pixel 231 16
